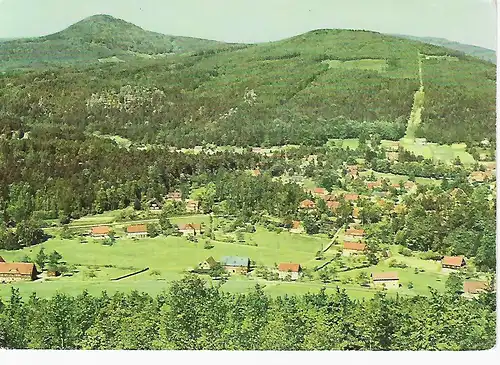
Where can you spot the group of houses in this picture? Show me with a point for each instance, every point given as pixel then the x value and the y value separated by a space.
pixel 16 271
pixel 141 230
pixel 192 206
pixel 241 265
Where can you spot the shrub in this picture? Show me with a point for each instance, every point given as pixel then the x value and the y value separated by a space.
pixel 90 274
pixel 430 255
pixel 406 252
pixel 410 285
pixel 208 245
pixel 394 263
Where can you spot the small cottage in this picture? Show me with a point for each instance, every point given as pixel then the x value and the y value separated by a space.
pixel 192 206
pixel 256 172
pixel 190 229
pixel 351 197
pixel 234 264
pixel 297 227
pixel 208 264
pixel 1 259
pixel 389 280
pixel 17 271
pixel 332 205
pixel 175 196
pixel 353 248
pixel 373 184
pixel 452 262
pixel 100 232
pixel 155 205
pixel 137 231
pixel 307 204
pixel 478 176
pixel 320 192
pixel 289 269
pixel 352 234
pixel 474 288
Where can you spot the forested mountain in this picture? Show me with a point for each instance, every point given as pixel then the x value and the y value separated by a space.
pixel 98 37
pixel 304 90
pixel 479 52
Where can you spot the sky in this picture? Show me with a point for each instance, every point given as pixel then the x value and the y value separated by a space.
pixel 252 21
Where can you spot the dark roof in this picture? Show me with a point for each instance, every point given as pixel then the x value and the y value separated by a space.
pixel 1 259
pixel 211 261
pixel 235 261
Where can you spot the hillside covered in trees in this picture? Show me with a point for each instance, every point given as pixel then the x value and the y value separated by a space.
pixel 93 38
pixel 303 90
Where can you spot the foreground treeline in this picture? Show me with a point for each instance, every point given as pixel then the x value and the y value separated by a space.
pixel 193 316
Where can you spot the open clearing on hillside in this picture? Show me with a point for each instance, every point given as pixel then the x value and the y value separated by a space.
pixel 436 152
pixel 361 64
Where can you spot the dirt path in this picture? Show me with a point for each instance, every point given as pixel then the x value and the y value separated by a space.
pixel 418 105
pixel 87 225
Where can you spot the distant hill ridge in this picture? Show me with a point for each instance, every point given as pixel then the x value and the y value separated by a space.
pixel 96 37
pixel 476 51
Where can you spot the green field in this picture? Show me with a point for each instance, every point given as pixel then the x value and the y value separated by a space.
pixel 436 152
pixel 169 258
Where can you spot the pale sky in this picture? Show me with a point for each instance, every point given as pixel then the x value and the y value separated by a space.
pixel 466 21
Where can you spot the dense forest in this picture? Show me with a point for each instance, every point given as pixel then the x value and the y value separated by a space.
pixel 194 316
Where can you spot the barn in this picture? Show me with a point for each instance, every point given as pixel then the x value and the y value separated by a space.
pixel 100 232
pixel 137 231
pixel 453 262
pixel 17 271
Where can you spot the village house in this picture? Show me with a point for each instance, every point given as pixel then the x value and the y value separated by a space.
pixel 192 206
pixel 329 197
pixel 351 197
pixel 332 205
pixel 175 196
pixel 297 227
pixel 1 259
pixel 289 269
pixel 155 205
pixel 373 184
pixel 319 192
pixel 353 248
pixel 17 271
pixel 100 232
pixel 208 264
pixel 190 229
pixel 236 265
pixel 478 176
pixel 474 288
pixel 307 204
pixel 389 280
pixel 137 231
pixel 452 262
pixel 256 172
pixel 352 234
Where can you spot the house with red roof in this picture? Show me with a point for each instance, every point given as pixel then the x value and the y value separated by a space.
pixel 297 227
pixel 289 269
pixel 137 231
pixel 474 288
pixel 353 248
pixel 17 271
pixel 100 232
pixel 190 228
pixel 332 205
pixel 351 197
pixel 307 204
pixel 452 262
pixel 389 280
pixel 352 234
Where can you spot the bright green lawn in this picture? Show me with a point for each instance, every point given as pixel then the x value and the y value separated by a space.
pixel 445 153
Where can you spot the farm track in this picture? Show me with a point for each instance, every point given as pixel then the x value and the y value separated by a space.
pixel 132 221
